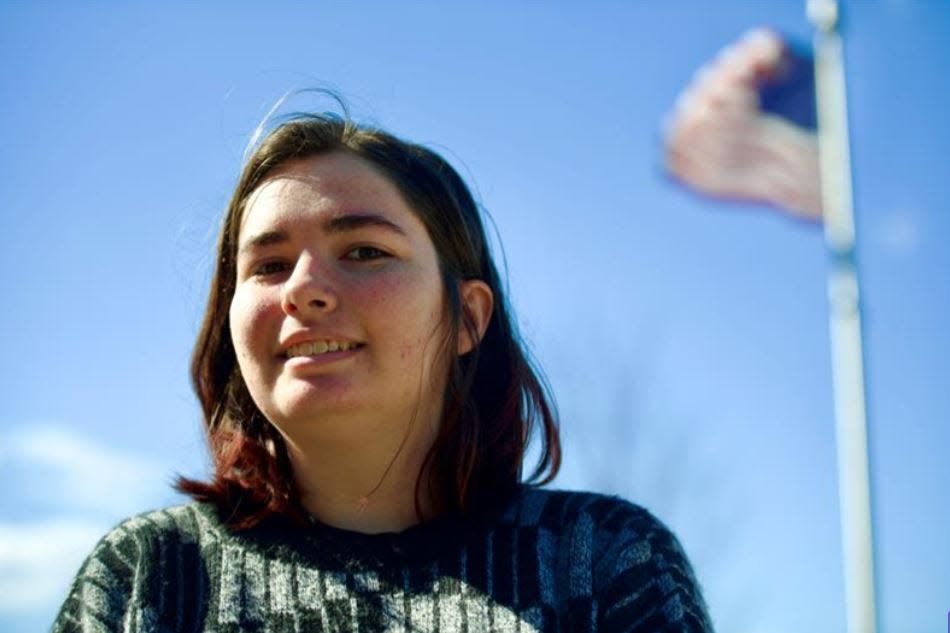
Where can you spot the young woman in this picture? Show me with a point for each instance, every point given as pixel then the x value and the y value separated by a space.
pixel 368 405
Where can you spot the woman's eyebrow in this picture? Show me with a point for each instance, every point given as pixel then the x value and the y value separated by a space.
pixel 266 238
pixel 352 221
pixel 333 225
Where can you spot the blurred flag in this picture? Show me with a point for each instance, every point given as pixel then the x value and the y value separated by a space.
pixel 790 93
pixel 744 128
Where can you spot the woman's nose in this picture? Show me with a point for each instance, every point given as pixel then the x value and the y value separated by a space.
pixel 308 290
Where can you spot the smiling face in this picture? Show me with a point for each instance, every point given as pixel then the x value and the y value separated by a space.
pixel 338 315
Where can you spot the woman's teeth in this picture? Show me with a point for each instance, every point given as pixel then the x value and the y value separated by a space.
pixel 319 347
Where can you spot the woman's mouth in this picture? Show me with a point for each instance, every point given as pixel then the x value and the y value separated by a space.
pixel 315 348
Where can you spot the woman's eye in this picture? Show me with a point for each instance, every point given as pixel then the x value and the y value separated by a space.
pixel 269 268
pixel 365 253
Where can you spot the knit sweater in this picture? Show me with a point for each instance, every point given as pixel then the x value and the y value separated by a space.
pixel 548 561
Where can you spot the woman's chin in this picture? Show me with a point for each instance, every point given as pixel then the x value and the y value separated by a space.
pixel 313 410
pixel 314 396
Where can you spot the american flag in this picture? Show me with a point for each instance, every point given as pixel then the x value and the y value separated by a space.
pixel 744 128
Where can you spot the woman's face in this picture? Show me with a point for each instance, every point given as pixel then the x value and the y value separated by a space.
pixel 338 314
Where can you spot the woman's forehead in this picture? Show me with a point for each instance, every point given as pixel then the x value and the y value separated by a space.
pixel 324 186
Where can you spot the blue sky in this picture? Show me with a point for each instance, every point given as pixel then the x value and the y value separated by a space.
pixel 686 341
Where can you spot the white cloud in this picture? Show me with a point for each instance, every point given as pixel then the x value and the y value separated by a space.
pixel 83 475
pixel 39 558
pixel 81 488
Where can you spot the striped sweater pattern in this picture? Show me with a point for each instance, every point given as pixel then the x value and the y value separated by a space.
pixel 549 561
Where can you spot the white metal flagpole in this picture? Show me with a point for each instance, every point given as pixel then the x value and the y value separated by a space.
pixel 845 319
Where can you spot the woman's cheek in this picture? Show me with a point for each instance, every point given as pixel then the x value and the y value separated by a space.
pixel 247 315
pixel 411 311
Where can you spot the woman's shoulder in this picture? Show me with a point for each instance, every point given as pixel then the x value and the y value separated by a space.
pixel 187 523
pixel 127 560
pixel 604 530
pixel 561 510
pixel 608 547
pixel 143 540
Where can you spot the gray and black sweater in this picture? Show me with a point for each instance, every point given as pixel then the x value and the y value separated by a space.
pixel 549 561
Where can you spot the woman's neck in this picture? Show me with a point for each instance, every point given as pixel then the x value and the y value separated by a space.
pixel 368 485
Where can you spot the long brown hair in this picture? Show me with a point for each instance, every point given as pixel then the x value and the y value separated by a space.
pixel 495 399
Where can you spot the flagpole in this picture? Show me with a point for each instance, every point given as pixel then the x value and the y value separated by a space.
pixel 845 319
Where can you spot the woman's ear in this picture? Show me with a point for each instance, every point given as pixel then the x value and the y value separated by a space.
pixel 477 303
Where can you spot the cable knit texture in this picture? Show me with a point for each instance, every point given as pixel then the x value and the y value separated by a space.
pixel 548 561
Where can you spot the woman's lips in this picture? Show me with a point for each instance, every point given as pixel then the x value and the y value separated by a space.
pixel 319 359
pixel 319 347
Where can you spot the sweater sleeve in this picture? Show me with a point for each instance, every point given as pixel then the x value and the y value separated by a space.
pixel 107 591
pixel 648 584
